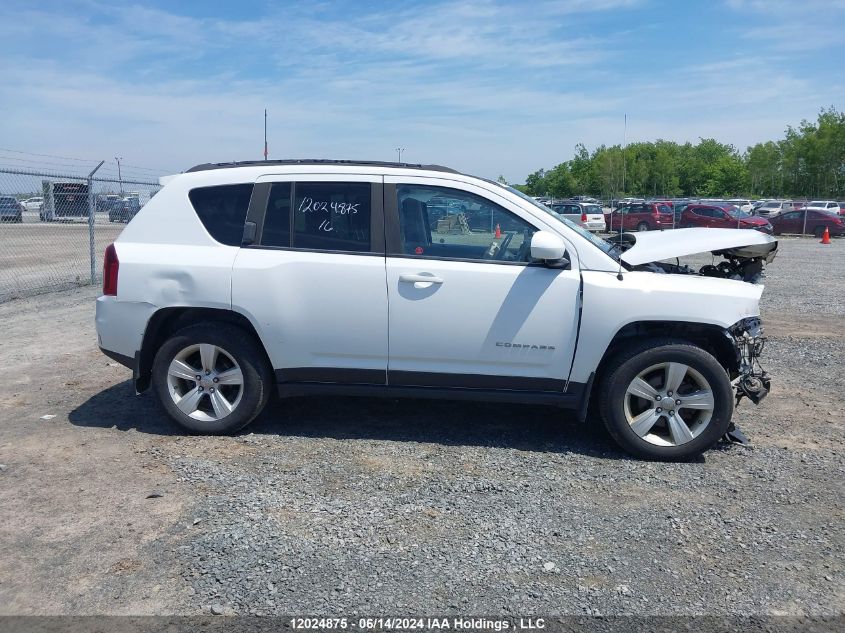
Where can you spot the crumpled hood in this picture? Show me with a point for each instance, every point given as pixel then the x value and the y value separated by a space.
pixel 655 246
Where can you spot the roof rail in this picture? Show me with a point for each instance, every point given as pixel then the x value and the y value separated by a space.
pixel 318 161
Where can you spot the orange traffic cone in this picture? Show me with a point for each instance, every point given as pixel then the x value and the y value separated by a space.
pixel 825 237
pixel 498 231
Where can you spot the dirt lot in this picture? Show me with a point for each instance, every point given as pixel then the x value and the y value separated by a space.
pixel 342 506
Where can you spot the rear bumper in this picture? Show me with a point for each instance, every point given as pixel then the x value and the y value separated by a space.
pixel 595 225
pixel 120 327
pixel 126 361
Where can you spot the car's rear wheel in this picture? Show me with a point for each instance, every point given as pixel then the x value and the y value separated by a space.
pixel 643 226
pixel 666 400
pixel 212 378
pixel 819 231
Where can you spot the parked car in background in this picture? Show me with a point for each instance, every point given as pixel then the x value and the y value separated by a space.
pixel 816 222
pixel 33 204
pixel 721 216
pixel 773 207
pixel 10 209
pixel 590 216
pixel 825 205
pixel 108 202
pixel 641 216
pixel 124 210
pixel 741 204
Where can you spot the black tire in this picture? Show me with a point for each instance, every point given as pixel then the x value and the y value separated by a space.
pixel 643 226
pixel 819 232
pixel 240 345
pixel 626 365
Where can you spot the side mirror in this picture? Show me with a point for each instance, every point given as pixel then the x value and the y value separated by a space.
pixel 549 248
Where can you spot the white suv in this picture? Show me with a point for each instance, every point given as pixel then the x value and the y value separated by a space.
pixel 336 277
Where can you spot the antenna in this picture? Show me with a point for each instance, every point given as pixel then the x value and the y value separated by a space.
pixel 265 133
pixel 624 145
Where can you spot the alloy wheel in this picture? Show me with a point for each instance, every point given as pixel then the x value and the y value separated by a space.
pixel 205 382
pixel 669 404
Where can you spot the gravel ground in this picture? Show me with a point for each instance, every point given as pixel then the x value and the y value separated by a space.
pixel 341 506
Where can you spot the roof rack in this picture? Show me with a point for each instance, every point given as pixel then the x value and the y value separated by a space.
pixel 318 161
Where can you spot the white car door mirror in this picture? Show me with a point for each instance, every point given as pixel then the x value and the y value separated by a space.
pixel 549 248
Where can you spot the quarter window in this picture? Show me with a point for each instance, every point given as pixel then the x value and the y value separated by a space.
pixel 222 211
pixel 454 224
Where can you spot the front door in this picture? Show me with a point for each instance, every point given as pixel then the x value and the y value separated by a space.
pixel 467 307
pixel 791 222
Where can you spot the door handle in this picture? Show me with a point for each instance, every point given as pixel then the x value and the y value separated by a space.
pixel 419 279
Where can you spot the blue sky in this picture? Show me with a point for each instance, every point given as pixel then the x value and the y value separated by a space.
pixel 489 87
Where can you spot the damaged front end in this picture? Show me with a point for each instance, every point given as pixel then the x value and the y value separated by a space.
pixel 752 380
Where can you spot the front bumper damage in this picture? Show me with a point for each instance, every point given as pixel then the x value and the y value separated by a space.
pixel 751 381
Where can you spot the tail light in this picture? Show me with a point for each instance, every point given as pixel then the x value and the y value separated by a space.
pixel 110 267
pixel 583 217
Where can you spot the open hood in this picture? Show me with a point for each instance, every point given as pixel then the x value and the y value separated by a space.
pixel 655 246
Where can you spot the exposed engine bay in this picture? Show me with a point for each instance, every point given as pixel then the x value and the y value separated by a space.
pixel 752 381
pixel 742 263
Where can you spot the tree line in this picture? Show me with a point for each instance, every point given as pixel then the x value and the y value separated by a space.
pixel 809 162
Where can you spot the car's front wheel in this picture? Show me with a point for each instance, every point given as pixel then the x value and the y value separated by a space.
pixel 643 226
pixel 212 378
pixel 666 400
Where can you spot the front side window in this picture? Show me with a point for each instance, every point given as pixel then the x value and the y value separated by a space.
pixel 450 223
pixel 222 211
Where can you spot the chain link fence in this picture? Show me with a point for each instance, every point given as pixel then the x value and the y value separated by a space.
pixel 55 226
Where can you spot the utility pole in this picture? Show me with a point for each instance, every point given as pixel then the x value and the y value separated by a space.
pixel 400 150
pixel 265 133
pixel 119 177
pixel 624 147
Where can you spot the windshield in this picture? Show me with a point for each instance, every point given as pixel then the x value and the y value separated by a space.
pixel 606 247
pixel 592 208
pixel 736 212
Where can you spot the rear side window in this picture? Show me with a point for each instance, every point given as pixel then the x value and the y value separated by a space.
pixel 222 211
pixel 332 216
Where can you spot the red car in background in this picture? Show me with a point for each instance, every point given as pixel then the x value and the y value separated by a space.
pixel 641 216
pixel 722 216
pixel 817 221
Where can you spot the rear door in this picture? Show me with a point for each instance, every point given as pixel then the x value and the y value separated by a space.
pixel 467 307
pixel 313 278
pixel 636 213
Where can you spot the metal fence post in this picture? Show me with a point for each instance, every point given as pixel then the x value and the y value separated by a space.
pixel 804 228
pixel 92 211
